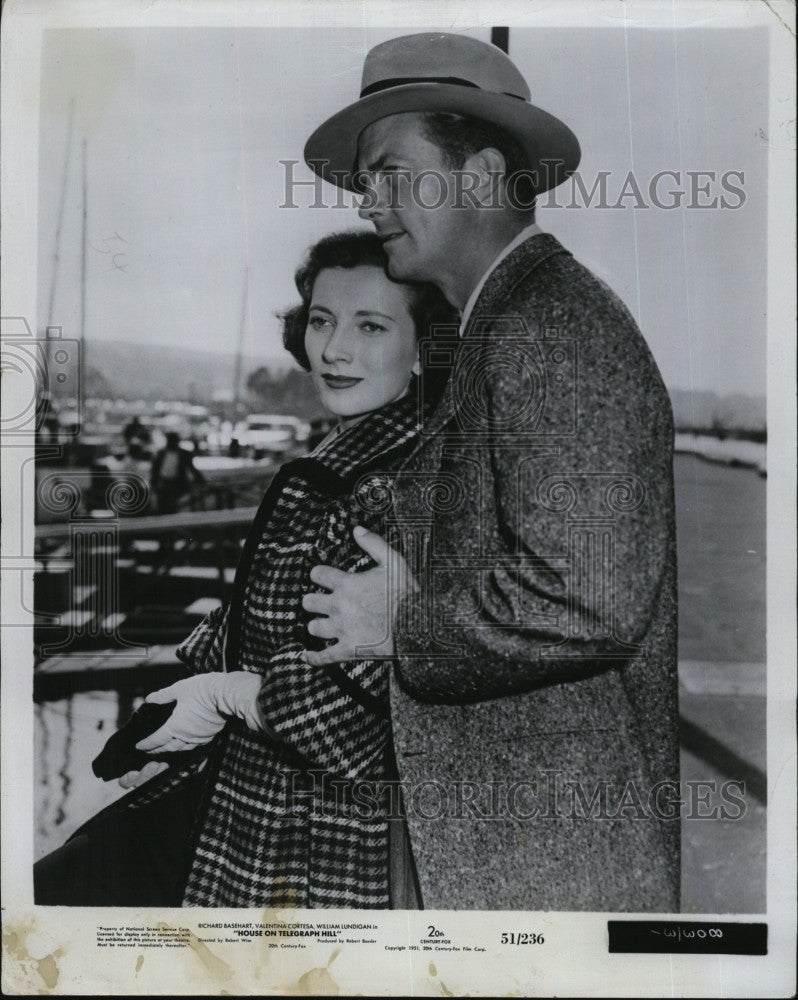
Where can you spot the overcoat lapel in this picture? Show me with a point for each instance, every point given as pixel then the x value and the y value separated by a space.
pixel 513 269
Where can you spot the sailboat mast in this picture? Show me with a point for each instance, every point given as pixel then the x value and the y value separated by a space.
pixel 500 37
pixel 240 351
pixel 83 270
pixel 50 315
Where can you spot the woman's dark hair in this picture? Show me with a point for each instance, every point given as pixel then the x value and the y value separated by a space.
pixel 427 306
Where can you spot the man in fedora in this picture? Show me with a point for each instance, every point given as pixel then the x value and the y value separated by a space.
pixel 534 695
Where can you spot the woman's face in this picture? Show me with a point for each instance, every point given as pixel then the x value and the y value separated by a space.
pixel 360 340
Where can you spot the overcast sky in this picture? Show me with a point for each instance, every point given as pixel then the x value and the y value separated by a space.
pixel 184 129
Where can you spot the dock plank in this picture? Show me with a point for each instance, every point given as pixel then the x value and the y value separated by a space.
pixel 122 670
pixel 198 521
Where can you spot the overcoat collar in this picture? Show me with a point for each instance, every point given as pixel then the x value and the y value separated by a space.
pixel 393 426
pixel 377 443
pixel 491 302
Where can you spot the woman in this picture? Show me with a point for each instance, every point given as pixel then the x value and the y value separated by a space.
pixel 267 817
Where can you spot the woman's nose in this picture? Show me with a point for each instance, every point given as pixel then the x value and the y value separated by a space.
pixel 337 347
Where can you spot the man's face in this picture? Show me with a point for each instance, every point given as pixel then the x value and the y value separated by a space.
pixel 405 174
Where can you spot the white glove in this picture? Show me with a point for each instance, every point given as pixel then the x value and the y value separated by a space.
pixel 204 705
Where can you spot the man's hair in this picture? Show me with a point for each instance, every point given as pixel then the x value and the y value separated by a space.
pixel 427 306
pixel 460 136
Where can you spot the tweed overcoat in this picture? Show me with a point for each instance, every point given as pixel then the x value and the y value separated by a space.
pixel 534 696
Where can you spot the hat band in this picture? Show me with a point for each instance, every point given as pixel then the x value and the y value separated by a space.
pixel 400 81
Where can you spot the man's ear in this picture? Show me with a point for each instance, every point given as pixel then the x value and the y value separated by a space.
pixel 416 369
pixel 489 166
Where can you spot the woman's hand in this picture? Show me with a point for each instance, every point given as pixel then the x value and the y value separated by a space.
pixel 194 720
pixel 204 705
pixel 135 778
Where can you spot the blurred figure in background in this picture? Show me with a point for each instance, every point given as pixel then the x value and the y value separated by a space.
pixel 137 435
pixel 173 473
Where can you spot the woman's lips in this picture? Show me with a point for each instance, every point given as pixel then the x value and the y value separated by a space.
pixel 340 381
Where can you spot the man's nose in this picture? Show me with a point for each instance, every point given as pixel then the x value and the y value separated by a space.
pixel 370 209
pixel 374 199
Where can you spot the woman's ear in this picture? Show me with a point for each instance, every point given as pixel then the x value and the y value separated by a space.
pixel 416 369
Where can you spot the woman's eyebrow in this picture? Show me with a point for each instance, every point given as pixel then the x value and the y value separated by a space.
pixel 372 312
pixel 323 309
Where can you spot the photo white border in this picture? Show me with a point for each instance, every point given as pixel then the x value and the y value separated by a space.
pixel 574 960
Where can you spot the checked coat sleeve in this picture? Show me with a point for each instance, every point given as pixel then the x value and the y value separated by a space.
pixel 336 720
pixel 335 716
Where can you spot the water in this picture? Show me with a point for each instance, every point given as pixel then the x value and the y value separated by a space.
pixel 721 537
pixel 68 735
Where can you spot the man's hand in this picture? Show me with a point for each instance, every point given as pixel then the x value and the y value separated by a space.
pixel 361 607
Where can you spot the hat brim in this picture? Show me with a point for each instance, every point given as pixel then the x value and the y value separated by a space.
pixel 552 149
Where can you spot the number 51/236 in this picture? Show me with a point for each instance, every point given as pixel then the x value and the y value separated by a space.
pixel 513 938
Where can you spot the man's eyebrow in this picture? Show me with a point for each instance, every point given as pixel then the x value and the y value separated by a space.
pixel 376 164
pixel 386 160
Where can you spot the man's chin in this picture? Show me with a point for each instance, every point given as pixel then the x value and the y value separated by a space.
pixel 401 270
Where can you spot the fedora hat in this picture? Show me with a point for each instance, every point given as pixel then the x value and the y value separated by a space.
pixel 444 72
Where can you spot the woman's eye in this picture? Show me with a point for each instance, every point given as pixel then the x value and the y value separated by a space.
pixel 371 327
pixel 317 322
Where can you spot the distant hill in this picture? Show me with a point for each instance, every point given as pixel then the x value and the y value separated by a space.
pixel 127 370
pixel 707 410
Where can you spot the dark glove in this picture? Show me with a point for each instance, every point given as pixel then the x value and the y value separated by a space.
pixel 119 755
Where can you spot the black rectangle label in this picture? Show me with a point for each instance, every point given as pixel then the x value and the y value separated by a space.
pixel 688 937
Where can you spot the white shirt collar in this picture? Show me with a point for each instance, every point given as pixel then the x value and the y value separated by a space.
pixel 533 230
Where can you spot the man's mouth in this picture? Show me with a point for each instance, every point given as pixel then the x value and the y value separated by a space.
pixel 390 237
pixel 340 381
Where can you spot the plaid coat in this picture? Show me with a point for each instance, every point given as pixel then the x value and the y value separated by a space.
pixel 269 834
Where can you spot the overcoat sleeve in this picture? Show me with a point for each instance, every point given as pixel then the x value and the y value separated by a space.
pixel 562 550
